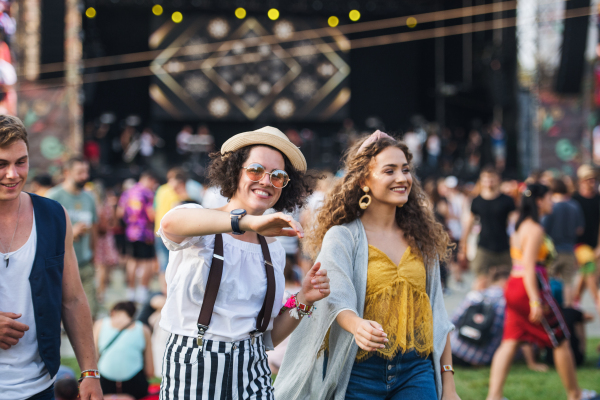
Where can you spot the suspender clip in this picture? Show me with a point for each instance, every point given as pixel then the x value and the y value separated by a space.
pixel 201 331
pixel 253 336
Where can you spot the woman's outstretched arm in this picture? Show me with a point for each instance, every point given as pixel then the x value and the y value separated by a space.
pixel 181 223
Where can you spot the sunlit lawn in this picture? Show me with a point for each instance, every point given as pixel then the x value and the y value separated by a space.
pixel 522 384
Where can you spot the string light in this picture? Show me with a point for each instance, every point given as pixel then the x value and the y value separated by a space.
pixel 177 17
pixel 333 21
pixel 354 15
pixel 90 12
pixel 273 14
pixel 411 22
pixel 240 13
pixel 157 9
pixel 344 29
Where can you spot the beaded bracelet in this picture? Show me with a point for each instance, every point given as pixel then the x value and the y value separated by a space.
pixel 296 308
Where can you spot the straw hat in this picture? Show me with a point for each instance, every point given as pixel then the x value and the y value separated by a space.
pixel 271 137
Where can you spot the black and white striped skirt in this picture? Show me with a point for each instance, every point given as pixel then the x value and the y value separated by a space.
pixel 224 370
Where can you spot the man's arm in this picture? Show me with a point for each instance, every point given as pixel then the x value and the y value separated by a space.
pixel 77 319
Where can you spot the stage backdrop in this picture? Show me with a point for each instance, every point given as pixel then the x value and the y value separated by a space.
pixel 220 68
pixel 45 113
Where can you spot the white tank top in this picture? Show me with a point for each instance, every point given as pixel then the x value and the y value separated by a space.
pixel 22 371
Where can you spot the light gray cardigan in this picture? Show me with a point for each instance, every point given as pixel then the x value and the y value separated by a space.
pixel 345 255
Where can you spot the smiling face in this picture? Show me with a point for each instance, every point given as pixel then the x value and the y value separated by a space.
pixel 390 179
pixel 257 197
pixel 14 167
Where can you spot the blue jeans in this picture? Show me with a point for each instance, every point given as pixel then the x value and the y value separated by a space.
pixel 406 377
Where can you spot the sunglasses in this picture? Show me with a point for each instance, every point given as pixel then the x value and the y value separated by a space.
pixel 278 178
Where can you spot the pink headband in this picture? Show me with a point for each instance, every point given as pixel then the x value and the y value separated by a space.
pixel 373 138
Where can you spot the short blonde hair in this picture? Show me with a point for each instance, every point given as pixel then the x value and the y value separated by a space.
pixel 12 130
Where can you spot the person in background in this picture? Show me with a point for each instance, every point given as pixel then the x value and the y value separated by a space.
pixel 136 209
pixel 588 198
pixel 532 315
pixel 81 206
pixel 493 209
pixel 40 184
pixel 313 203
pixel 563 226
pixel 457 204
pixel 177 179
pixel 467 352
pixel 125 351
pixel 66 389
pixel 439 205
pixel 164 200
pixel 106 255
pixel 213 198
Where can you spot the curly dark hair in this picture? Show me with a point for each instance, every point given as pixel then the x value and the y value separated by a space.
pixel 224 172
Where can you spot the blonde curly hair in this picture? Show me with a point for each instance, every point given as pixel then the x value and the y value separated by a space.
pixel 340 206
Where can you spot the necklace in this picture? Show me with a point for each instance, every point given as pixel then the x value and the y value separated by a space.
pixel 7 255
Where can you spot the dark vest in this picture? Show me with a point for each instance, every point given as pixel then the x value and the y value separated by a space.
pixel 46 278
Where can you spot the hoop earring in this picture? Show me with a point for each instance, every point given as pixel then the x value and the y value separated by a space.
pixel 366 198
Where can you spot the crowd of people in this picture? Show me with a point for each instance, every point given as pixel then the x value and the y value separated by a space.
pixel 367 252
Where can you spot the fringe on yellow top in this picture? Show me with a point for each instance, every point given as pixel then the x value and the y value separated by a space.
pixel 396 297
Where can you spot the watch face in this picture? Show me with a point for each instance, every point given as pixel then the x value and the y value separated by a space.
pixel 239 211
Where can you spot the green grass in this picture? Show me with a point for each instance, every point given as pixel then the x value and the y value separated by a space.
pixel 522 384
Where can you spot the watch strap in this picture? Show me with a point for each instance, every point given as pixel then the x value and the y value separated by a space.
pixel 235 225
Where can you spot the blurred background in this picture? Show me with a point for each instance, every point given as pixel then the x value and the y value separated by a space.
pixel 466 82
pixel 145 90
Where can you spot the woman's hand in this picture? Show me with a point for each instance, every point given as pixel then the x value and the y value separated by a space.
pixel 535 313
pixel 369 335
pixel 278 224
pixel 315 285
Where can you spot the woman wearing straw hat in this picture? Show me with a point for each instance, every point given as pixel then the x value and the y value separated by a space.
pixel 224 278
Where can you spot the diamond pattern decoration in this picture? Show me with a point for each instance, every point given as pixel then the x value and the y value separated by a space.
pixel 219 68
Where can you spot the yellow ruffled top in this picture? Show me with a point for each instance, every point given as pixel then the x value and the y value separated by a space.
pixel 396 297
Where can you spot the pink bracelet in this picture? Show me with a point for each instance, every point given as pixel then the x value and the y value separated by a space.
pixel 296 308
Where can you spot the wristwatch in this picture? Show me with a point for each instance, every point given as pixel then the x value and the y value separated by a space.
pixel 235 216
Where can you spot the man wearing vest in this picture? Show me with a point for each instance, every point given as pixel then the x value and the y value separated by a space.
pixel 39 283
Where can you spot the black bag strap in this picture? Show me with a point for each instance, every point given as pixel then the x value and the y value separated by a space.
pixel 214 282
pixel 114 339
